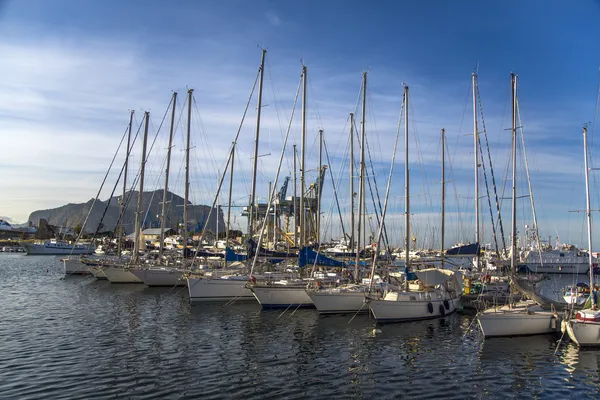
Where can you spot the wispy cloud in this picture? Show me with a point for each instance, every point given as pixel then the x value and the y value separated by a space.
pixel 273 19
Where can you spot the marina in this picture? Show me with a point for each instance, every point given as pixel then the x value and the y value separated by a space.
pixel 123 339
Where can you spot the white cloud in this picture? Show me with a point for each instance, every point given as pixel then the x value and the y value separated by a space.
pixel 273 19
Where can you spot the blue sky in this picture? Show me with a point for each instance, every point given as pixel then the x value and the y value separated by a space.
pixel 71 70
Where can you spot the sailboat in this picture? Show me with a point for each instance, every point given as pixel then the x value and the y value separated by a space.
pixel 525 317
pixel 228 286
pixel 122 273
pixel 349 298
pixel 584 329
pixel 435 294
pixel 285 293
pixel 163 274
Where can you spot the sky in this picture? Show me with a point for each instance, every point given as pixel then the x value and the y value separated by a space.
pixel 71 71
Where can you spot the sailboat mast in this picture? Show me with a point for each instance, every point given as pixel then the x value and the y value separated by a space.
pixel 407 189
pixel 513 249
pixel 140 205
pixel 443 193
pixel 302 160
pixel 229 201
pixel 361 181
pixel 251 211
pixel 476 155
pixel 120 238
pixel 295 200
pixel 186 195
pixel 163 216
pixel 351 182
pixel 589 213
pixel 319 187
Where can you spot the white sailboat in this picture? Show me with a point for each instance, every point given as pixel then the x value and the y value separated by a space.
pixel 120 273
pixel 584 329
pixel 165 275
pixel 525 317
pixel 437 291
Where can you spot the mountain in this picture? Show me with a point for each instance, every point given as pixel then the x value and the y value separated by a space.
pixel 107 212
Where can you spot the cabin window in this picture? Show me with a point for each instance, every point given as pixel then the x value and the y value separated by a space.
pixel 562 254
pixel 413 298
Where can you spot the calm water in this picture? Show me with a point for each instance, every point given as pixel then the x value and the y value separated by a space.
pixel 80 338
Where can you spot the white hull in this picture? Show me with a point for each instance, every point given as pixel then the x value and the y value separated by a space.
pixel 43 250
pixel 73 266
pixel 412 310
pixel 577 299
pixel 120 275
pixel 281 296
pixel 551 268
pixel 160 276
pixel 207 289
pixel 584 333
pixel 336 302
pixel 517 321
pixel 97 272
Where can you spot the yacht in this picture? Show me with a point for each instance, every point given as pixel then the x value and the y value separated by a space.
pixel 565 259
pixel 57 247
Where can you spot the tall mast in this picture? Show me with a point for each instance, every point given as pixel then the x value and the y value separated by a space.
pixel 295 201
pixel 302 160
pixel 407 191
pixel 476 155
pixel 589 213
pixel 120 238
pixel 443 193
pixel 320 186
pixel 186 196
pixel 351 182
pixel 251 210
pixel 513 245
pixel 163 216
pixel 140 205
pixel 229 201
pixel 361 181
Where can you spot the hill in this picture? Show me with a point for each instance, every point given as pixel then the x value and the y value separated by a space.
pixel 107 212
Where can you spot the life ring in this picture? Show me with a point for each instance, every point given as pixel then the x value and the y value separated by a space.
pixel 430 308
pixel 442 311
pixel 446 305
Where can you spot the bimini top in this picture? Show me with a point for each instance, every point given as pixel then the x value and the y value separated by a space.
pixel 464 250
pixel 434 276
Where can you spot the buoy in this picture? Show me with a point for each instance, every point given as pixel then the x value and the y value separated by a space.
pixel 430 308
pixel 446 304
pixel 442 311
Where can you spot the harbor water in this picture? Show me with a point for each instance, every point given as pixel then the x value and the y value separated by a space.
pixel 74 337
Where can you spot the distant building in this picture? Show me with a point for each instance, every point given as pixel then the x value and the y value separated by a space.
pixel 152 234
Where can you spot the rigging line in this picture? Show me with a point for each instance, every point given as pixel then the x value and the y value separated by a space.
pixel 456 197
pixel 275 96
pixel 100 189
pixel 274 188
pixel 334 189
pixel 226 166
pixel 485 136
pixel 385 241
pixel 535 222
pixel 487 189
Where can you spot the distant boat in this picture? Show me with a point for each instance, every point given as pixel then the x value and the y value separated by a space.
pixel 5 226
pixel 57 247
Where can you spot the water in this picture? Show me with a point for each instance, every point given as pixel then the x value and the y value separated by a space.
pixel 80 338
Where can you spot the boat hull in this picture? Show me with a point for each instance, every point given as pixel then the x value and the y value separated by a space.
pixel 160 276
pixel 208 289
pixel 97 272
pixel 412 310
pixel 585 334
pixel 74 266
pixel 498 323
pixel 281 296
pixel 42 250
pixel 120 275
pixel 332 302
